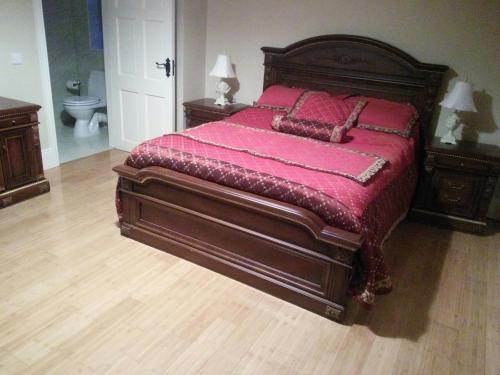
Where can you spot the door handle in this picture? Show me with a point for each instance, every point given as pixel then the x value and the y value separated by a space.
pixel 167 66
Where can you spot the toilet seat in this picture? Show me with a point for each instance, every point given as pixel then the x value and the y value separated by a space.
pixel 81 100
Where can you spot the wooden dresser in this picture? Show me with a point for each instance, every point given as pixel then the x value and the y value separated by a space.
pixel 457 184
pixel 21 169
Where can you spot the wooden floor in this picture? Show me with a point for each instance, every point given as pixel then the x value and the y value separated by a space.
pixel 77 298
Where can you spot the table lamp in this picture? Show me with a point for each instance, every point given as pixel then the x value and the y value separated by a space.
pixel 459 99
pixel 222 69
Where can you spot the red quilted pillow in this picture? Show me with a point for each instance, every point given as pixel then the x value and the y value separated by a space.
pixel 321 107
pixel 321 116
pixel 279 97
pixel 387 116
pixel 310 129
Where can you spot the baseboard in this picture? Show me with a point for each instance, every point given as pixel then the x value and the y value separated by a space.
pixel 24 192
pixel 50 158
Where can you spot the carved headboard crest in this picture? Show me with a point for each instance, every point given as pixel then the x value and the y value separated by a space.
pixel 357 65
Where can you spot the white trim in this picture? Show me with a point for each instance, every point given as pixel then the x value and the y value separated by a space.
pixel 50 154
pixel 50 158
pixel 112 127
pixel 173 20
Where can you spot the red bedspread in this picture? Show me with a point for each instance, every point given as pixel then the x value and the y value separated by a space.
pixel 364 185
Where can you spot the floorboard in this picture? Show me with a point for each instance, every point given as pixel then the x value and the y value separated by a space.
pixel 76 297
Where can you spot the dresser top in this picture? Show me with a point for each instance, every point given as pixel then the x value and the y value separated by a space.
pixel 466 149
pixel 11 106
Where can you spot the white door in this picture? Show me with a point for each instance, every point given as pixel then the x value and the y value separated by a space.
pixel 141 97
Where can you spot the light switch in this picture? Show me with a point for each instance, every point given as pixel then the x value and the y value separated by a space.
pixel 16 58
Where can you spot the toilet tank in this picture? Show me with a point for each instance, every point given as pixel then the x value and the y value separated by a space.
pixel 97 85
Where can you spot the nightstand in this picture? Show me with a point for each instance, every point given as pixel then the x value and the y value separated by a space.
pixel 204 110
pixel 456 184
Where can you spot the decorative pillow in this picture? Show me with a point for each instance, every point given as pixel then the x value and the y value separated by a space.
pixel 309 129
pixel 321 116
pixel 321 107
pixel 387 116
pixel 279 97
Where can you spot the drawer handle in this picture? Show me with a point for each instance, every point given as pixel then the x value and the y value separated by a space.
pixel 456 187
pixel 13 122
pixel 453 200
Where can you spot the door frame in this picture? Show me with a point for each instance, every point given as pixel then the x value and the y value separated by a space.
pixel 50 153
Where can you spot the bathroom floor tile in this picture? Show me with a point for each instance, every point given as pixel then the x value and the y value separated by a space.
pixel 71 148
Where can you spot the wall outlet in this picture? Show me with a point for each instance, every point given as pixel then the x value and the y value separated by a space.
pixel 16 58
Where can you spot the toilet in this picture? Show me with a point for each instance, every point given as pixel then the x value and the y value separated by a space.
pixel 83 108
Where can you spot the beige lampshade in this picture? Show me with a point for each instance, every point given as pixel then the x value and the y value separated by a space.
pixel 460 98
pixel 223 67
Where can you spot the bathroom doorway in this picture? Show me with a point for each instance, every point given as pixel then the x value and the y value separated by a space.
pixel 73 32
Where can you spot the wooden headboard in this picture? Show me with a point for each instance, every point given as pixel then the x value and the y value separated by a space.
pixel 356 65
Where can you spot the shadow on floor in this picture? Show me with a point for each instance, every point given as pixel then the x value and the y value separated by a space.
pixel 415 255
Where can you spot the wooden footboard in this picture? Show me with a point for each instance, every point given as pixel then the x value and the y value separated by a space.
pixel 276 247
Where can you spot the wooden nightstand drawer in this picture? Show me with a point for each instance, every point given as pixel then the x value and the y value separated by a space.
pixel 210 116
pixel 204 110
pixel 460 163
pixel 452 183
pixel 192 122
pixel 456 184
pixel 455 194
pixel 197 117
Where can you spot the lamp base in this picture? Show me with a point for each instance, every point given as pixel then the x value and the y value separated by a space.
pixel 222 89
pixel 221 100
pixel 451 124
pixel 448 138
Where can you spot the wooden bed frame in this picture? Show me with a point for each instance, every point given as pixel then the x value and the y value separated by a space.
pixel 276 247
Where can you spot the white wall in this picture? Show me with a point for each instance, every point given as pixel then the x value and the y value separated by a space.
pixel 464 35
pixel 190 54
pixel 24 82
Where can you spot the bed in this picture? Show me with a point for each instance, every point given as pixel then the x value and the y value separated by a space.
pixel 300 252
